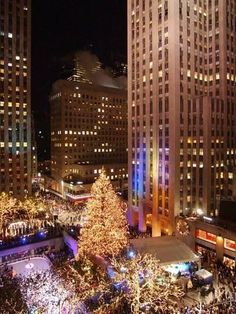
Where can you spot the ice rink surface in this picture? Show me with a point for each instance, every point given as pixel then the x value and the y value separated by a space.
pixel 28 265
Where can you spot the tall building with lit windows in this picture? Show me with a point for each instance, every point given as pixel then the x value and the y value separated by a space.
pixel 88 132
pixel 181 108
pixel 15 96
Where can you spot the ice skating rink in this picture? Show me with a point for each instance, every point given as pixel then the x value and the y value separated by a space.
pixel 28 265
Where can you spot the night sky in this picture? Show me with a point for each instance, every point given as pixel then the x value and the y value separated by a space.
pixel 59 28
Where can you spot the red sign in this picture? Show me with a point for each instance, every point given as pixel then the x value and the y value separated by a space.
pixel 206 236
pixel 229 244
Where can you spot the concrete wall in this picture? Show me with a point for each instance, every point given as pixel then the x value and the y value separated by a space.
pixel 70 242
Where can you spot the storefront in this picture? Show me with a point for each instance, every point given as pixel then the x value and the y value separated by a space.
pixel 230 245
pixel 206 236
pixel 224 248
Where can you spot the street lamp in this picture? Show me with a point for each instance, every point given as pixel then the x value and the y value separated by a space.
pixel 62 188
pixel 199 212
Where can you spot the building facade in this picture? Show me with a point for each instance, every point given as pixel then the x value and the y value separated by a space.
pixel 206 234
pixel 15 97
pixel 181 108
pixel 88 131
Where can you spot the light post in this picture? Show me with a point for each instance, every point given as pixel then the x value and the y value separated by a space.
pixel 62 189
pixel 199 212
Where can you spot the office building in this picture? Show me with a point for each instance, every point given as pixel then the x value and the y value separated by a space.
pixel 15 97
pixel 88 131
pixel 181 109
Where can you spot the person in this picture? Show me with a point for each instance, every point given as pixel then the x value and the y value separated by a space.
pixel 189 285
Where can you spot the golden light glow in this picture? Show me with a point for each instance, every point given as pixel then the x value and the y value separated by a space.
pixel 105 232
pixel 32 210
pixel 148 285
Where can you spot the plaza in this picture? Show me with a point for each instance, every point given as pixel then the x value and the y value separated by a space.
pixel 117 157
pixel 50 273
pixel 42 288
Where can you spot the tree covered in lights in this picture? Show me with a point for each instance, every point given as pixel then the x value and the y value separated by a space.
pixel 144 287
pixel 32 210
pixel 8 206
pixel 105 231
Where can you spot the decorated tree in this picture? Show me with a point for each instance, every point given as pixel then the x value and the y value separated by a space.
pixel 87 282
pixel 144 286
pixel 36 209
pixel 30 210
pixel 8 209
pixel 105 231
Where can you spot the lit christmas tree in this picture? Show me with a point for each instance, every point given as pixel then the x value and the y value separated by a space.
pixel 105 231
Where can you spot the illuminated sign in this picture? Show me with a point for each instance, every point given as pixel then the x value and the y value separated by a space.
pixel 230 245
pixel 206 236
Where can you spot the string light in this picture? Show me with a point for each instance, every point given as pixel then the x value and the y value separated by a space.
pixel 182 227
pixel 143 286
pixel 105 231
pixel 16 212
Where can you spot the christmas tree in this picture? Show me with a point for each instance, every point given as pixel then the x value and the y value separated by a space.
pixel 105 231
pixel 147 288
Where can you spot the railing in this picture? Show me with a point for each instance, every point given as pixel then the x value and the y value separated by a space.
pixel 21 240
pixel 23 258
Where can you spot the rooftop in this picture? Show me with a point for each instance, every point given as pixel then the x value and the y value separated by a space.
pixel 167 249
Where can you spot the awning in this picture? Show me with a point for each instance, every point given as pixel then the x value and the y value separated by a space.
pixel 167 249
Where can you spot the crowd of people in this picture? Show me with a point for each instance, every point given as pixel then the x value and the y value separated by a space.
pixel 64 215
pixel 222 298
pixel 45 291
pixel 218 305
pixel 59 257
pixel 134 233
pixel 67 213
pixel 38 287
pixel 11 300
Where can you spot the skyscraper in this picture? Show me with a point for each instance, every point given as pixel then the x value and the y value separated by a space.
pixel 182 108
pixel 88 127
pixel 15 96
